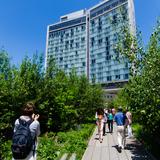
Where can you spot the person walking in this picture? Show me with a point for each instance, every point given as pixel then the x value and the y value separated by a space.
pixel 113 111
pixel 100 123
pixel 105 121
pixel 27 126
pixel 120 120
pixel 128 124
pixel 110 121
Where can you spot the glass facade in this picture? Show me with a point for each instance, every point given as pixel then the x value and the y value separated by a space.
pixel 67 44
pixel 87 43
pixel 104 28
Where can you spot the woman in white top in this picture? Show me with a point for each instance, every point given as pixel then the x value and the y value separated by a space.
pixel 129 123
pixel 100 123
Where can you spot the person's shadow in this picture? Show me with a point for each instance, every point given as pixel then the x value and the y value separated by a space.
pixel 117 148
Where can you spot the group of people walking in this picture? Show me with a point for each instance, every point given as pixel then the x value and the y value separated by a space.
pixel 103 117
pixel 109 116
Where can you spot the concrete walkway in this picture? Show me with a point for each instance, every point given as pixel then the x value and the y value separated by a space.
pixel 107 150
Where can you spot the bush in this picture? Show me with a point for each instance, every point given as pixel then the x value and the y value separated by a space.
pixel 74 141
pixel 137 129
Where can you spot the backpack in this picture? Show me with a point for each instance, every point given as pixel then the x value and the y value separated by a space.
pixel 22 141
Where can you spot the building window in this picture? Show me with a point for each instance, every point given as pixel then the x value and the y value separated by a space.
pixel 100 42
pixel 72 34
pixel 99 23
pixel 107 53
pixel 93 61
pixel 108 29
pixel 107 50
pixel 99 55
pixel 66 46
pixel 99 19
pixel 92 41
pixel 56 49
pixel 72 41
pixel 76 53
pixel 117 76
pixel 107 43
pixel 71 45
pixel 82 39
pixel 99 28
pixel 126 76
pixel 66 66
pixel 82 28
pixel 116 52
pixel 83 64
pixel 92 23
pixel 67 42
pixel 61 34
pixel 108 57
pixel 76 29
pixel 116 71
pixel 108 72
pixel 67 35
pixel 107 39
pixel 115 38
pixel 92 30
pixel 77 45
pixel 109 78
pixel 126 65
pixel 51 35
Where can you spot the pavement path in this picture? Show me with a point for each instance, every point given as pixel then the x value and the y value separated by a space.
pixel 107 150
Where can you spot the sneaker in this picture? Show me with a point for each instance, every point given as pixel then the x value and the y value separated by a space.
pixel 128 137
pixel 101 140
pixel 119 149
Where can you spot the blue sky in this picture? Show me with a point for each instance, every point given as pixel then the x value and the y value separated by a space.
pixel 23 23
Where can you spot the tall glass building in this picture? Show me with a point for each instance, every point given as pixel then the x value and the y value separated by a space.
pixel 84 40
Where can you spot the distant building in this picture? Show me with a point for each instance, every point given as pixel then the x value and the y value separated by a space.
pixel 85 40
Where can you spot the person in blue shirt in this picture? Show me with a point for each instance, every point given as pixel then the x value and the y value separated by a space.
pixel 120 119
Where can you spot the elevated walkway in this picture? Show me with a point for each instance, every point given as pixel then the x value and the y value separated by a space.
pixel 107 150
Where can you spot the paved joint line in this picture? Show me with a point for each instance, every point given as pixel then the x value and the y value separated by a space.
pixel 108 146
pixel 94 145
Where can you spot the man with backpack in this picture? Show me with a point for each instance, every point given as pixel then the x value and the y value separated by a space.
pixel 26 131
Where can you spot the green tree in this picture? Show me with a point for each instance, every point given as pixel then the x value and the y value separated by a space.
pixel 142 93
